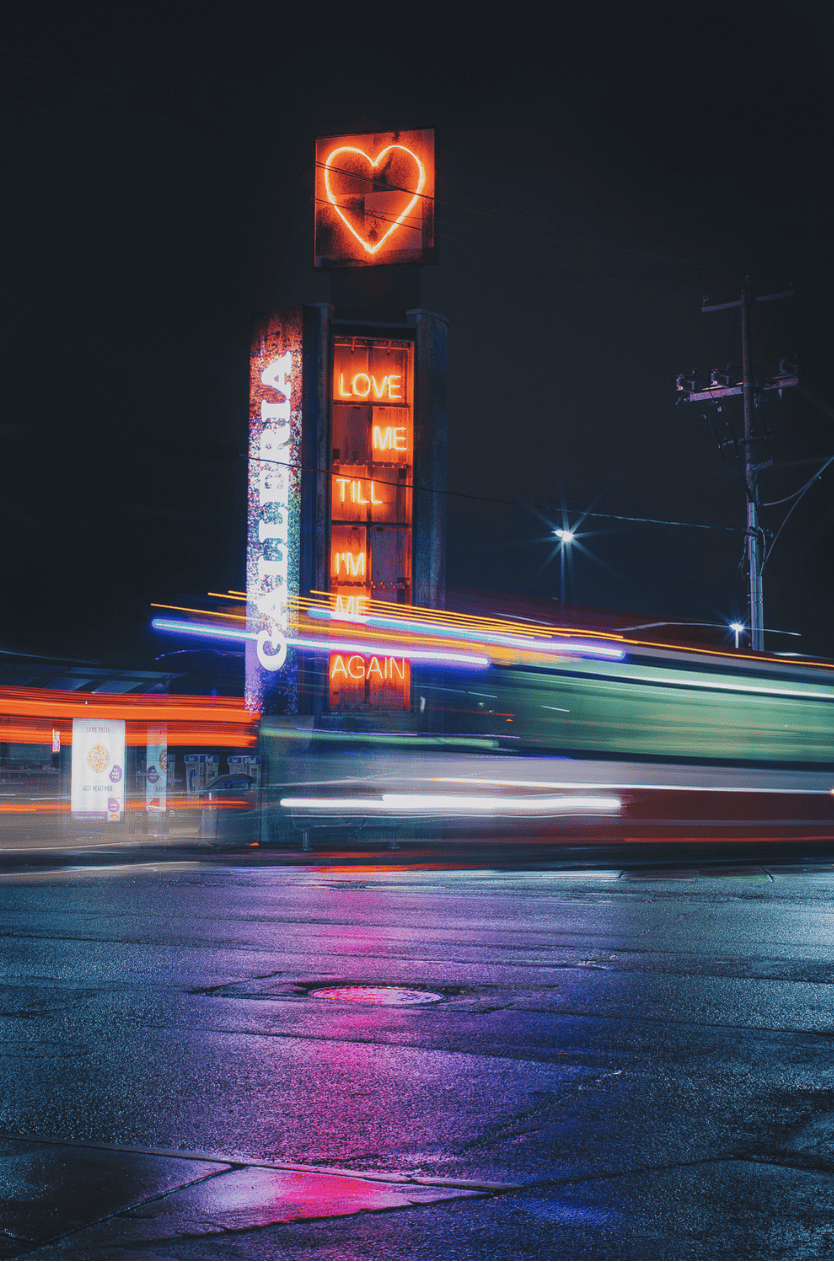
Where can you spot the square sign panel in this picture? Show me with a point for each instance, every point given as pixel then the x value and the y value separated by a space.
pixel 97 785
pixel 375 199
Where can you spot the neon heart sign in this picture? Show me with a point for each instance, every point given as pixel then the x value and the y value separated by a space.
pixel 330 165
pixel 375 199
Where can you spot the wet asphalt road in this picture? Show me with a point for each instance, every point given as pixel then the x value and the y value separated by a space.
pixel 644 1060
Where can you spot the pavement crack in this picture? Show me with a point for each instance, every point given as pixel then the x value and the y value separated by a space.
pixel 792 1161
pixel 213 1228
pixel 480 1053
pixel 526 1121
pixel 222 987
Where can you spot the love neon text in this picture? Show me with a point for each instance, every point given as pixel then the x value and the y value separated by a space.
pixel 365 385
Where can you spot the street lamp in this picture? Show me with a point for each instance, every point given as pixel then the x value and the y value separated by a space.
pixel 737 628
pixel 567 537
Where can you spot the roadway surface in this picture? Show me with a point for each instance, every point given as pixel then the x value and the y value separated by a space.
pixel 622 1063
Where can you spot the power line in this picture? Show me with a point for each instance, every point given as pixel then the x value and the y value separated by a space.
pixel 799 495
pixel 495 499
pixel 802 489
pixel 526 232
pixel 572 271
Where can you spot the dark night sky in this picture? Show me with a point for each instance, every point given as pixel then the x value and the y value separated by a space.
pixel 601 170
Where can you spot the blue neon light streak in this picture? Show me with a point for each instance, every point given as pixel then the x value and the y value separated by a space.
pixel 326 646
pixel 389 650
pixel 199 628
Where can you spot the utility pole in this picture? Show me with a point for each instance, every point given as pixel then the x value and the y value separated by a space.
pixel 565 538
pixel 755 540
pixel 749 391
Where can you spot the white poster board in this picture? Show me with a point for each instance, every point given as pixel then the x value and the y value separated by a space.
pixel 98 767
pixel 156 769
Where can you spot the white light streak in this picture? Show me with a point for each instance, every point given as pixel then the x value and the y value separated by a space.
pixel 620 786
pixel 458 802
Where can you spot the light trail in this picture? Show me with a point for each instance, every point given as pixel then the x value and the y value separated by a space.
pixel 618 785
pixel 422 802
pixel 327 646
pixel 529 642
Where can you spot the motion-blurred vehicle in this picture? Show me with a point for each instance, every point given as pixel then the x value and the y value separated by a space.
pixel 661 744
pixel 230 810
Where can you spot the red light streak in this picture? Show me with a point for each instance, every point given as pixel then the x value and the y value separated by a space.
pixel 195 803
pixel 28 716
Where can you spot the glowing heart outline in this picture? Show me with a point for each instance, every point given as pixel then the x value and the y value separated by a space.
pixel 372 249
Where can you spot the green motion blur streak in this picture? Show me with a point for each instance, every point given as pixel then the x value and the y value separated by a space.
pixel 642 707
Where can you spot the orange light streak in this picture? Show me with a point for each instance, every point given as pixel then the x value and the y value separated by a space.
pixel 204 613
pixel 749 657
pixel 474 622
pixel 22 807
pixel 52 703
pixel 536 653
pixel 136 735
pixel 465 621
pixel 352 631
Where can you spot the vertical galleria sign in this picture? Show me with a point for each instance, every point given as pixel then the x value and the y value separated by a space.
pixel 274 510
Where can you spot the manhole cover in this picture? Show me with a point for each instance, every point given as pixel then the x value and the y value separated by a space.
pixel 394 996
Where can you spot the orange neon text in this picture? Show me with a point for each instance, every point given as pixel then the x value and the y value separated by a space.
pixel 357 668
pixel 353 562
pixel 364 384
pixel 392 438
pixel 355 495
pixel 352 605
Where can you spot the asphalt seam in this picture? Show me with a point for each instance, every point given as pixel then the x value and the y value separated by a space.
pixel 524 1122
pixel 786 1162
pixel 242 1162
pixel 425 961
pixel 307 1218
pixel 407 1046
pixel 695 1021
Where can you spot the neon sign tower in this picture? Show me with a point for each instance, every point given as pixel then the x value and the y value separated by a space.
pixel 348 433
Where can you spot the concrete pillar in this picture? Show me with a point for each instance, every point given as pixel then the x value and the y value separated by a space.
pixel 429 540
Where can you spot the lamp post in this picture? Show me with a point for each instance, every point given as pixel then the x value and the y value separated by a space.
pixel 737 628
pixel 566 537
